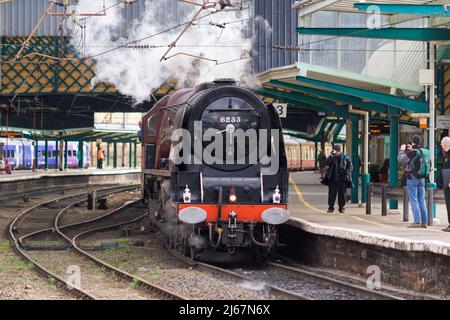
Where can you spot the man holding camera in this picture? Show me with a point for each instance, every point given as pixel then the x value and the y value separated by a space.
pixel 338 178
pixel 416 159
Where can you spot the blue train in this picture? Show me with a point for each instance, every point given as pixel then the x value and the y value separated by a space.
pixel 21 153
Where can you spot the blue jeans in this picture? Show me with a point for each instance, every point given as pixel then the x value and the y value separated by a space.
pixel 416 193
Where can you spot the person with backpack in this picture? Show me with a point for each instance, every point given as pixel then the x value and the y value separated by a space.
pixel 417 161
pixel 444 179
pixel 338 178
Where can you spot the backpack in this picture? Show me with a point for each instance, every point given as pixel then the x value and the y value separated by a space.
pixel 343 163
pixel 420 164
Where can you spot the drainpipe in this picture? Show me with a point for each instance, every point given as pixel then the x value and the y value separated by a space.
pixel 431 186
pixel 365 175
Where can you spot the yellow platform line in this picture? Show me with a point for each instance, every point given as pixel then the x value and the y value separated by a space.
pixel 302 199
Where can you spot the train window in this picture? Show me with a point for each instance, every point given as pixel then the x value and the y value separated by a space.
pixel 74 153
pixel 152 124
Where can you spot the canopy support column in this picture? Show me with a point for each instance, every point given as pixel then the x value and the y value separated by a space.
pixel 393 154
pixel 135 155
pixel 355 158
pixel 130 155
pixel 316 155
pixel 115 155
pixel 65 155
pixel 46 155
pixel 80 155
pixel 56 154
pixel 108 154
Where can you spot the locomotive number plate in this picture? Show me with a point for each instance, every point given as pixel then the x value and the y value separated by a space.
pixel 230 119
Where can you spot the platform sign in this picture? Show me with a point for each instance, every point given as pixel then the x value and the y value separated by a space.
pixel 443 122
pixel 406 128
pixel 423 123
pixel 281 109
pixel 10 134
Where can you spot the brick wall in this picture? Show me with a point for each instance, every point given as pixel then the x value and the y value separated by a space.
pixel 419 271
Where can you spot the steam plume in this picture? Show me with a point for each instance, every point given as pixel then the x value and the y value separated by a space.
pixel 136 72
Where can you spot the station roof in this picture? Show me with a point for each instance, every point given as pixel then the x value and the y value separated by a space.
pixel 397 10
pixel 80 134
pixel 321 89
pixel 349 5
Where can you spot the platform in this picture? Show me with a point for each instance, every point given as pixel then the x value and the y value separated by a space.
pixel 21 175
pixel 308 206
pixel 23 181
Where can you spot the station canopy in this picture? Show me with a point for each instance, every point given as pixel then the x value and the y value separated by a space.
pixel 331 91
pixel 81 134
pixel 321 89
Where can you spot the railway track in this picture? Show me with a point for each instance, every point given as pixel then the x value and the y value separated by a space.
pixel 43 220
pixel 275 291
pixel 357 291
pixel 46 219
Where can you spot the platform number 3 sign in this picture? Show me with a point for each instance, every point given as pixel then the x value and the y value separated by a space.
pixel 281 109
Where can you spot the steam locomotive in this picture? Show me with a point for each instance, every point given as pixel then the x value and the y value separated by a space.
pixel 214 171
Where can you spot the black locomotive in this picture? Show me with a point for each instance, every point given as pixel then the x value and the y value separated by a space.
pixel 215 171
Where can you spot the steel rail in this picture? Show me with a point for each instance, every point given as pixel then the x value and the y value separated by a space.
pixel 40 269
pixel 120 189
pixel 120 273
pixel 274 290
pixel 359 291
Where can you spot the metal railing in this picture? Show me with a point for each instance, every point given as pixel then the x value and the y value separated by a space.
pixel 398 193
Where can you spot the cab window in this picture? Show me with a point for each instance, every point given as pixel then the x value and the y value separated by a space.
pixel 152 124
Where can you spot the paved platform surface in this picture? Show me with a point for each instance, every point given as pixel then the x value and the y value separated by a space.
pixel 20 175
pixel 308 206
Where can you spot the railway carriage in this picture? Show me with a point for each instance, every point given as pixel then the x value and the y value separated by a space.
pixel 21 153
pixel 227 204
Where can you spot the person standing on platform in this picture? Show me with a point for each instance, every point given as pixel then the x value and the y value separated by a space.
pixel 100 158
pixel 417 162
pixel 322 159
pixel 445 176
pixel 338 178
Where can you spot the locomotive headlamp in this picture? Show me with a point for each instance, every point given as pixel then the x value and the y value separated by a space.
pixel 187 195
pixel 275 216
pixel 276 197
pixel 192 215
pixel 232 195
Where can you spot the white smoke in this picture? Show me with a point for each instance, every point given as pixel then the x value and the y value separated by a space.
pixel 136 72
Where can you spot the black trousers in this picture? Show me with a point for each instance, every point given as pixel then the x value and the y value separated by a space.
pixel 336 189
pixel 447 202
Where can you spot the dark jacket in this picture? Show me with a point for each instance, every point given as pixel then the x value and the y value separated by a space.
pixel 322 159
pixel 340 168
pixel 445 166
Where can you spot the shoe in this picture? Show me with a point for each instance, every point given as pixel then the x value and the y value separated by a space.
pixel 423 225
pixel 415 225
pixel 446 229
pixel 330 210
pixel 341 210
